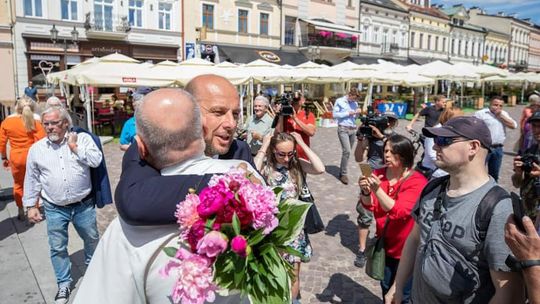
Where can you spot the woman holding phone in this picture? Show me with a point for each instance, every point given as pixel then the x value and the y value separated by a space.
pixel 391 193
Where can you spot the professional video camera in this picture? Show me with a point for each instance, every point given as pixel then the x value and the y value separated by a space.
pixel 529 160
pixel 286 100
pixel 372 119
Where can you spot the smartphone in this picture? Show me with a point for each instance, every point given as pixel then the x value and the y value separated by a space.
pixel 366 169
pixel 519 210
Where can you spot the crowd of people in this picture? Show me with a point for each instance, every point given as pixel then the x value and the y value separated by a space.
pixel 446 224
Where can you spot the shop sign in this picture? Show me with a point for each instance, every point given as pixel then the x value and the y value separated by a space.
pixel 129 79
pixel 269 56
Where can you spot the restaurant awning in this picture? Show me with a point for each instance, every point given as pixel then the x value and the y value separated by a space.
pixel 245 55
pixel 332 27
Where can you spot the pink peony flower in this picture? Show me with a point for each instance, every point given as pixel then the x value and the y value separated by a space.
pixel 261 202
pixel 212 244
pixel 213 199
pixel 186 212
pixel 240 246
pixel 194 234
pixel 193 278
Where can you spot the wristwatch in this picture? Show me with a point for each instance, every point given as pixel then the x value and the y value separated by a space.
pixel 529 263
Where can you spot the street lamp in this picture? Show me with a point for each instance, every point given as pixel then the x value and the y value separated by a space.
pixel 74 40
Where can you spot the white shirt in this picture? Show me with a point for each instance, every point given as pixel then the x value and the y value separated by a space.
pixel 59 175
pixel 430 156
pixel 495 126
pixel 116 273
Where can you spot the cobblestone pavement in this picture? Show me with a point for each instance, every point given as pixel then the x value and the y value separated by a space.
pixel 330 277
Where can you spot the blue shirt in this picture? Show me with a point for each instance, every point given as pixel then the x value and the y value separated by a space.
pixel 31 92
pixel 342 107
pixel 128 132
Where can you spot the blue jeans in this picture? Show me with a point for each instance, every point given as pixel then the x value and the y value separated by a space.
pixel 390 271
pixel 83 217
pixel 347 139
pixel 494 162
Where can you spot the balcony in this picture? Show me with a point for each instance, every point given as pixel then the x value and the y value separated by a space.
pixel 106 26
pixel 329 39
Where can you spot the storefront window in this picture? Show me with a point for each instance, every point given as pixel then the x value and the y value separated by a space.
pixel 42 65
pixel 69 9
pixel 242 21
pixel 33 8
pixel 165 16
pixel 135 12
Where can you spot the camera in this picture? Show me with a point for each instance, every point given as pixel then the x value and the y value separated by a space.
pixel 529 160
pixel 285 100
pixel 372 119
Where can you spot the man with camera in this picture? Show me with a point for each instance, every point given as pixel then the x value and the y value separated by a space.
pixel 346 111
pixel 371 135
pixel 527 172
pixel 293 118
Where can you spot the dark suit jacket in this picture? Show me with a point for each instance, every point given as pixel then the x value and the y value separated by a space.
pixel 101 187
pixel 145 197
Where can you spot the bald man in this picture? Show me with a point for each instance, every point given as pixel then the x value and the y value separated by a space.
pixel 143 196
pixel 126 264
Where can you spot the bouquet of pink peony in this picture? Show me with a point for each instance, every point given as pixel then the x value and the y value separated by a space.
pixel 232 237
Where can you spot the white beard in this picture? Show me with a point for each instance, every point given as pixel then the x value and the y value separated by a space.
pixel 53 137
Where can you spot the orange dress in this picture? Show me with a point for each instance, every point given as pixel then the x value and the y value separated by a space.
pixel 20 141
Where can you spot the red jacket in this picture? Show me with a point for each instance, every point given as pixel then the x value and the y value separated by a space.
pixel 401 222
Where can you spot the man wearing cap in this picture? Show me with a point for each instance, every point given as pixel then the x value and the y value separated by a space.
pixel 448 259
pixel 497 121
pixel 527 172
pixel 346 111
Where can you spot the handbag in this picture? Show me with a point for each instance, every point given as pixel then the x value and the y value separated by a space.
pixel 314 223
pixel 376 256
pixel 375 253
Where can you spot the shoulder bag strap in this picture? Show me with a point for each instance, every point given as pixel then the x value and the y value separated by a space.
pixel 395 195
pixel 152 260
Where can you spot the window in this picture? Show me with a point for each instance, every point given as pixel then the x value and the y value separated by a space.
pixel 436 43
pixel 421 46
pixel 466 53
pixel 444 44
pixel 376 35
pixel 208 16
pixel 365 33
pixel 402 43
pixel 135 12
pixel 33 8
pixel 103 17
pixel 68 9
pixel 453 46
pixel 242 21
pixel 459 48
pixel 412 39
pixel 349 3
pixel 290 30
pixel 429 42
pixel 394 37
pixel 263 29
pixel 164 16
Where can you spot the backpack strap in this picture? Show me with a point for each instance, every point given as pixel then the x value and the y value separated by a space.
pixel 482 217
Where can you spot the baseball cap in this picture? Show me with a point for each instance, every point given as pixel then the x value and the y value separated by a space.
pixel 534 117
pixel 465 126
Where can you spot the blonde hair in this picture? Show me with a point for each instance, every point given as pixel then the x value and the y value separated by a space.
pixel 448 113
pixel 25 107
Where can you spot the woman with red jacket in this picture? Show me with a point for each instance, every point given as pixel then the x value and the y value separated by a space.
pixel 391 193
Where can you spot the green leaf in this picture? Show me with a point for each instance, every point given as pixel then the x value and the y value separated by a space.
pixel 209 224
pixel 256 238
pixel 236 224
pixel 170 251
pixel 291 221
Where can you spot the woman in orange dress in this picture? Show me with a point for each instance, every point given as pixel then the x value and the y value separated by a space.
pixel 21 130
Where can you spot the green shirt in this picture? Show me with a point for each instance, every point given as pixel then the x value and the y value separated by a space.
pixel 261 126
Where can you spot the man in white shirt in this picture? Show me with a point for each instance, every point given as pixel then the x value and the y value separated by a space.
pixel 497 121
pixel 126 265
pixel 58 171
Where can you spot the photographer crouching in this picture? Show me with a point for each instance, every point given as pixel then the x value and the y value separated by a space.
pixel 527 172
pixel 371 135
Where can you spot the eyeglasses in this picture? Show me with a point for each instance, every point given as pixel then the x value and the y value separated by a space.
pixel 283 154
pixel 52 123
pixel 442 141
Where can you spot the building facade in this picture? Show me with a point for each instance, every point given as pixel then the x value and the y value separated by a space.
pixel 322 30
pixel 7 77
pixel 466 40
pixel 518 31
pixel 147 30
pixel 429 32
pixel 496 48
pixel 385 31
pixel 534 49
pixel 238 31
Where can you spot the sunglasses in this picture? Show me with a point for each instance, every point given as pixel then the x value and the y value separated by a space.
pixel 283 154
pixel 442 141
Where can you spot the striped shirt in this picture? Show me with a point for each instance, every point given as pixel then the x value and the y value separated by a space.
pixel 59 175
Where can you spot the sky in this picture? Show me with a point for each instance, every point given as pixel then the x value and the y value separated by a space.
pixel 522 8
